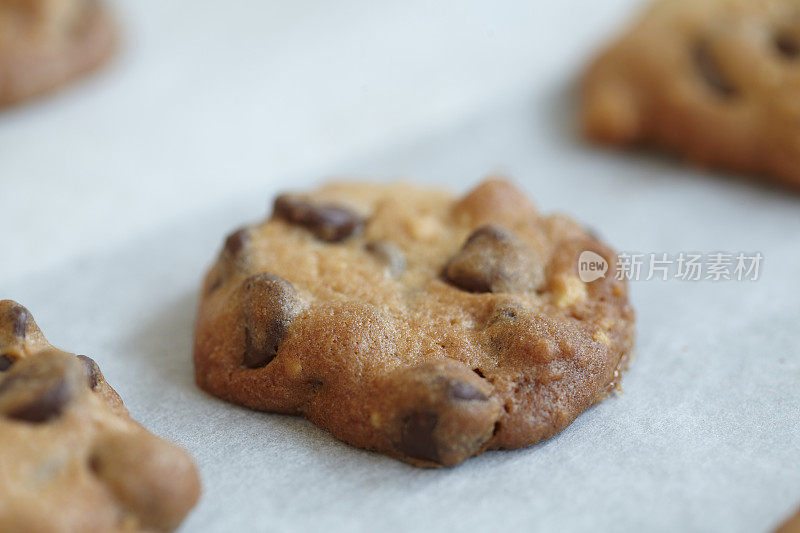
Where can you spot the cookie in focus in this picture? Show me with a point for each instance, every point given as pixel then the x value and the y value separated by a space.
pixel 409 321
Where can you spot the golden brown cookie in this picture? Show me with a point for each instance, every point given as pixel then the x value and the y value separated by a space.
pixel 71 459
pixel 404 320
pixel 714 81
pixel 46 43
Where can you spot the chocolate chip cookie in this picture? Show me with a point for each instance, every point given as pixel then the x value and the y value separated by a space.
pixel 46 43
pixel 71 459
pixel 411 322
pixel 714 81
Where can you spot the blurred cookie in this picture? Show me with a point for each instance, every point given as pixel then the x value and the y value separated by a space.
pixel 46 43
pixel 409 321
pixel 790 526
pixel 714 81
pixel 70 456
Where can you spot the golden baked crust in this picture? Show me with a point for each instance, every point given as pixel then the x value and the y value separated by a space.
pixel 46 43
pixel 714 81
pixel 404 320
pixel 71 459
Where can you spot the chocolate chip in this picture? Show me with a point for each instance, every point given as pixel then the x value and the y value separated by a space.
pixel 232 261
pixel 710 70
pixel 787 45
pixel 20 318
pixel 494 260
pixel 216 284
pixel 256 356
pixel 417 439
pixel 93 373
pixel 459 390
pixel 490 231
pixel 389 254
pixel 236 241
pixel 270 305
pixel 5 362
pixel 37 389
pixel 327 222
pixel 49 403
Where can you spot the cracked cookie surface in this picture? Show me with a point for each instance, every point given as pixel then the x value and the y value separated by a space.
pixel 712 81
pixel 47 43
pixel 71 459
pixel 412 322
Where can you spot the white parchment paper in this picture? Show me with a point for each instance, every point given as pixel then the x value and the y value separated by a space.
pixel 705 436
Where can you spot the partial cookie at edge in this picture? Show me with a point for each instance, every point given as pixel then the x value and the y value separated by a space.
pixel 96 469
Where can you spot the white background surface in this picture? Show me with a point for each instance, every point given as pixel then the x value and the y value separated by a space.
pixel 116 195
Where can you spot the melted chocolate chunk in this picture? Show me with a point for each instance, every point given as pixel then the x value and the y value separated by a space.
pixel 236 241
pixel 710 71
pixel 417 438
pixel 270 305
pixel 491 232
pixel 256 356
pixel 494 260
pixel 232 260
pixel 787 45
pixel 93 373
pixel 216 284
pixel 327 222
pixel 20 318
pixel 44 394
pixel 46 405
pixel 458 390
pixel 5 362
